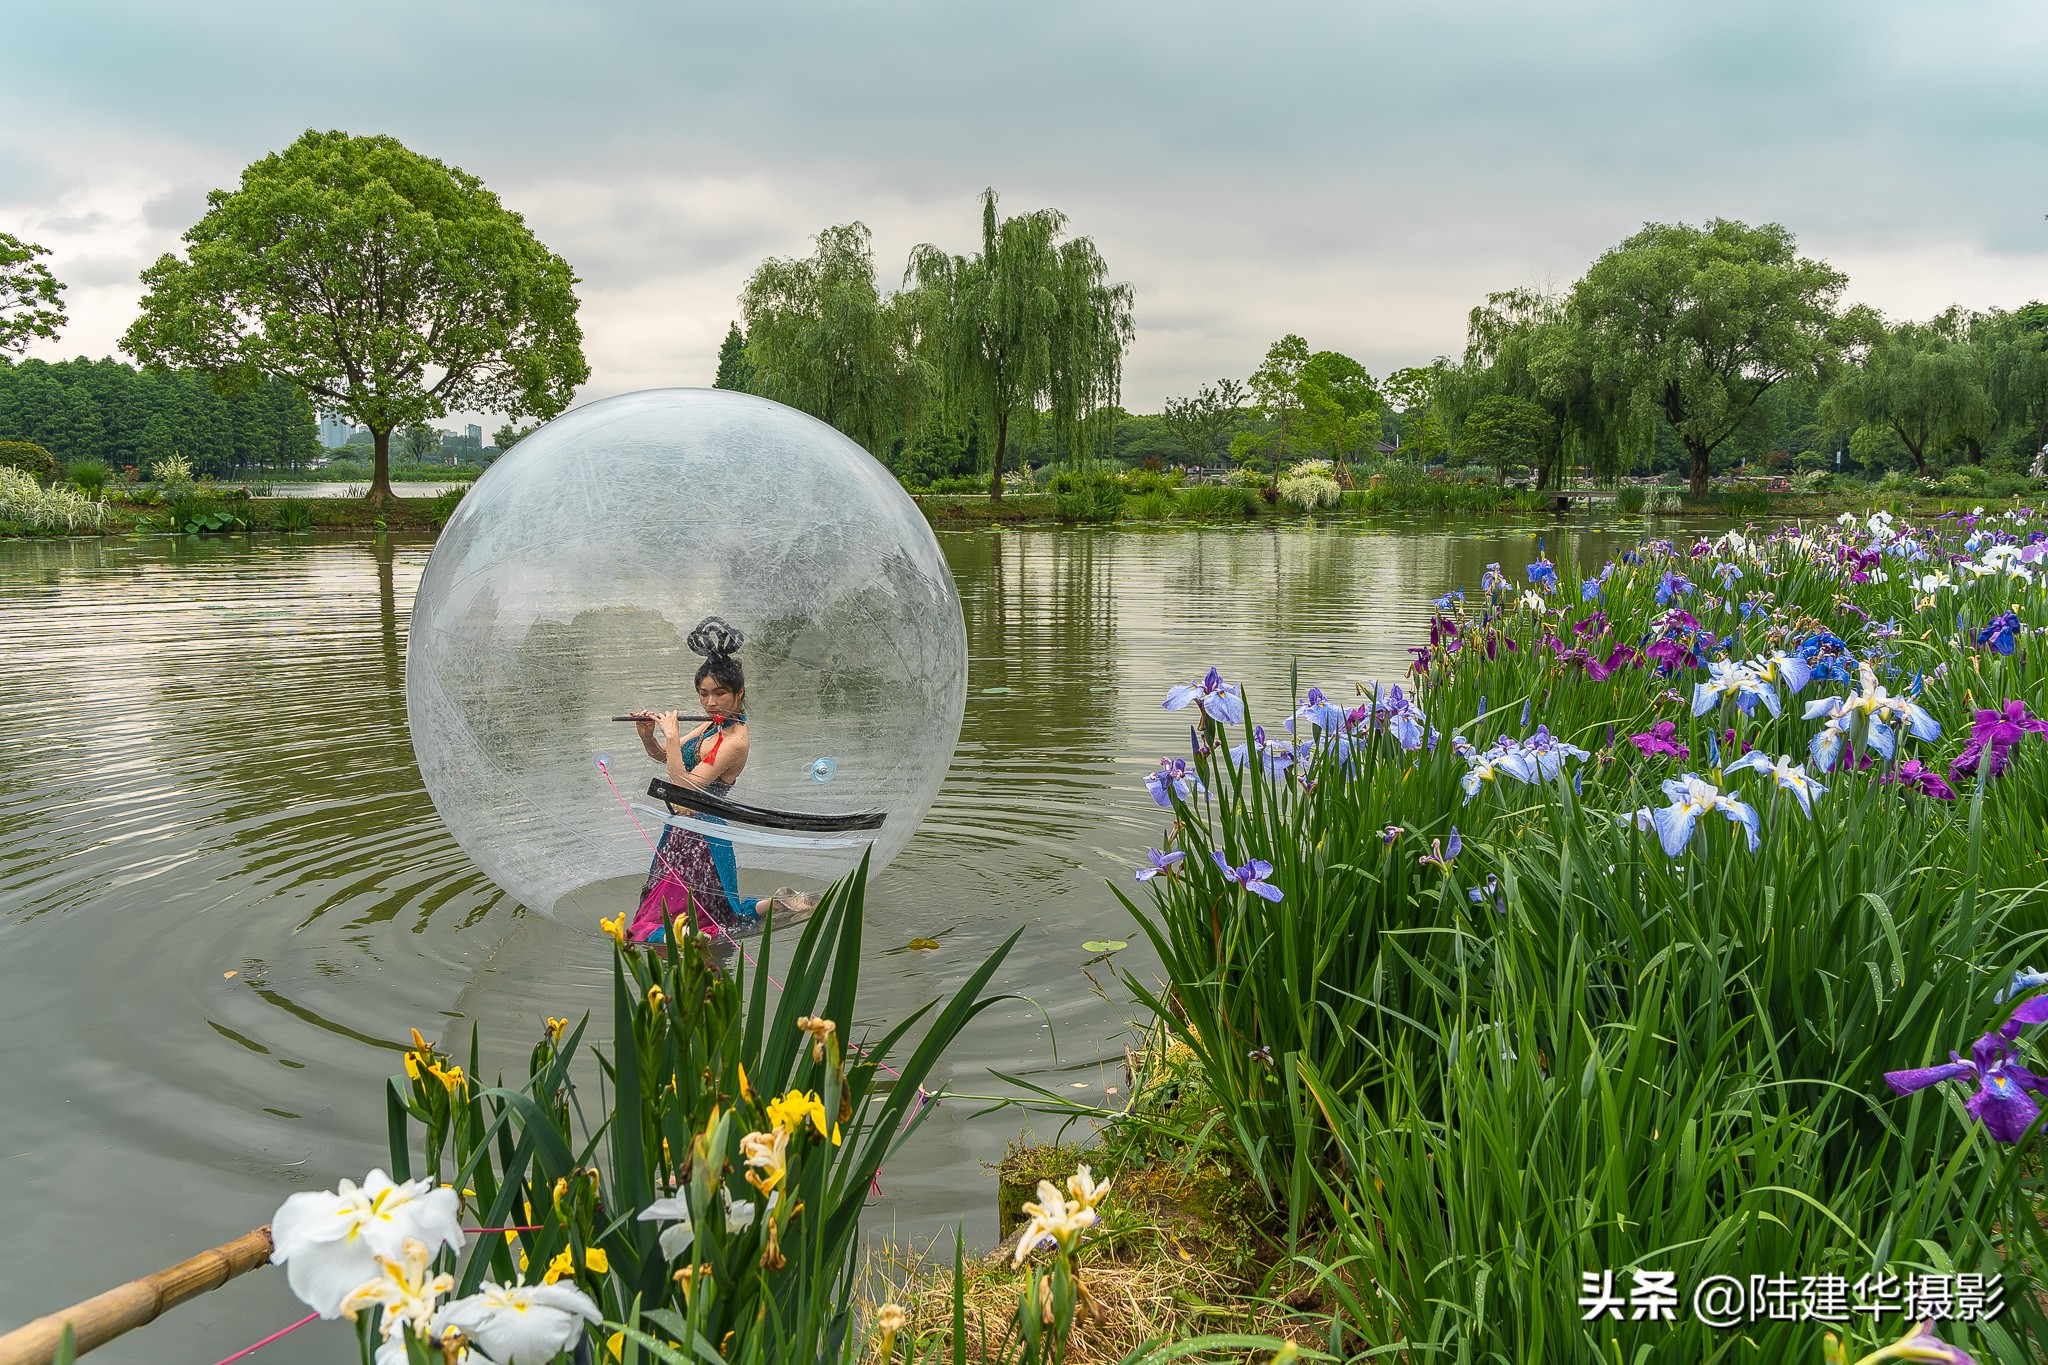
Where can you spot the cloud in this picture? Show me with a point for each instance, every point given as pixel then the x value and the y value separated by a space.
pixel 1361 174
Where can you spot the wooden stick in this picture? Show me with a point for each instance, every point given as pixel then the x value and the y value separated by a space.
pixel 103 1317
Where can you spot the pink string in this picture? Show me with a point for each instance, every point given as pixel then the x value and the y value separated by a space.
pixel 252 1350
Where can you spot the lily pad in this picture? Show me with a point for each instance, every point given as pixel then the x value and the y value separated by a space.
pixel 922 945
pixel 995 691
pixel 1104 945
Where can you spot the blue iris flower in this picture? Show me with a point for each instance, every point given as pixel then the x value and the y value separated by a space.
pixel 1670 587
pixel 1220 701
pixel 2002 634
pixel 1454 595
pixel 1173 775
pixel 1543 574
pixel 1252 876
pixel 1158 863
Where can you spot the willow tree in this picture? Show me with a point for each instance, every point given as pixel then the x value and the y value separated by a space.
pixel 1921 381
pixel 821 337
pixel 1696 324
pixel 387 287
pixel 1028 327
pixel 1525 344
pixel 1092 329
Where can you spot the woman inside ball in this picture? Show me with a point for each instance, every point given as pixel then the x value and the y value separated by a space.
pixel 690 871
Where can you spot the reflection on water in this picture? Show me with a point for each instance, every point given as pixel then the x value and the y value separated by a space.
pixel 225 898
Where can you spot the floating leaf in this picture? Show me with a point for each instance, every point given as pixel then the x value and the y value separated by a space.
pixel 995 691
pixel 922 944
pixel 229 976
pixel 1104 945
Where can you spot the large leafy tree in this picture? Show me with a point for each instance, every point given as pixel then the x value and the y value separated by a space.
pixel 2013 349
pixel 1028 326
pixel 1696 324
pixel 1276 388
pixel 1202 423
pixel 1340 406
pixel 387 286
pixel 1504 430
pixel 31 299
pixel 1092 329
pixel 1921 381
pixel 822 338
pixel 1527 344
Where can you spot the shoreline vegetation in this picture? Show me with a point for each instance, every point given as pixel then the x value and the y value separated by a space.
pixel 1674 924
pixel 179 505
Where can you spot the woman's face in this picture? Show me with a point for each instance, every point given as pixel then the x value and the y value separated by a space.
pixel 717 698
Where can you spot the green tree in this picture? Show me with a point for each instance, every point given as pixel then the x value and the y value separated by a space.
pixel 1092 329
pixel 1923 382
pixel 1504 430
pixel 1696 324
pixel 385 285
pixel 1029 326
pixel 1413 394
pixel 1202 423
pixel 823 339
pixel 735 370
pixel 1340 406
pixel 421 443
pixel 31 299
pixel 2013 347
pixel 986 322
pixel 507 436
pixel 1276 388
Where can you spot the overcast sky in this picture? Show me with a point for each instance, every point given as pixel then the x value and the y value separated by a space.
pixel 1359 173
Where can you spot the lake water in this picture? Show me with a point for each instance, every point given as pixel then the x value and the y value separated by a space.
pixel 225 897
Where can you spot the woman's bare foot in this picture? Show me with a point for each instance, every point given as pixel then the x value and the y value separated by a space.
pixel 790 903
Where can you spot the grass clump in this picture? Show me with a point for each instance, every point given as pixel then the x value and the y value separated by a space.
pixel 28 505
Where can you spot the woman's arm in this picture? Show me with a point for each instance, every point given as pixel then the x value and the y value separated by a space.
pixel 671 732
pixel 644 727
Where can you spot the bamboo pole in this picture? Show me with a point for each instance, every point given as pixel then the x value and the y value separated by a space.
pixel 103 1317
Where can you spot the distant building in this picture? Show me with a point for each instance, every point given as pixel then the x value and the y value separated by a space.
pixel 475 434
pixel 335 432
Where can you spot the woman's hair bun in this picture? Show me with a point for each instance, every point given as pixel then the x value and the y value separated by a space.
pixel 714 639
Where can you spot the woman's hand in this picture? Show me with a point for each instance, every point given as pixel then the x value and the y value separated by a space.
pixel 671 725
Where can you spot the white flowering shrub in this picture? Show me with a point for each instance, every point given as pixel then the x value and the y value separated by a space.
pixel 1309 485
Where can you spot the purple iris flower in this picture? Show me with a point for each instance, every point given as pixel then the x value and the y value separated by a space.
pixel 1172 775
pixel 1670 586
pixel 2001 633
pixel 1921 778
pixel 1728 573
pixel 1159 862
pixel 1618 658
pixel 2002 1102
pixel 1220 701
pixel 1493 580
pixel 1992 737
pixel 1480 895
pixel 1252 876
pixel 1658 741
